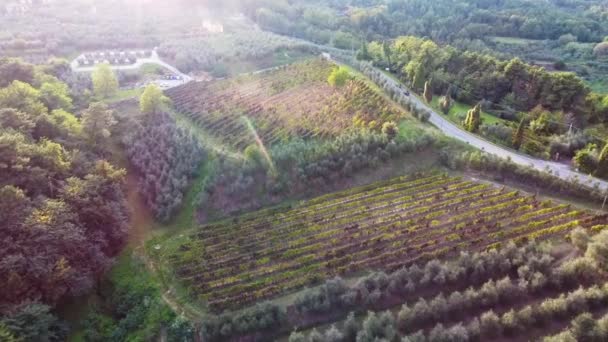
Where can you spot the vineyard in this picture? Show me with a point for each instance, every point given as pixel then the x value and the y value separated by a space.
pixel 385 226
pixel 292 101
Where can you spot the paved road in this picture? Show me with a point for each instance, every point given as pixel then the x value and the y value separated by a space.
pixel 454 131
pixel 153 59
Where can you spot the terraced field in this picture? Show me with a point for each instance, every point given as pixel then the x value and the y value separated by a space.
pixel 384 226
pixel 292 101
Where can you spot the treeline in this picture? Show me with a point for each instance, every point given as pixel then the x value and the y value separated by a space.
pixel 503 87
pixel 63 215
pixel 505 169
pixel 443 20
pixel 303 167
pixel 166 157
pixel 440 318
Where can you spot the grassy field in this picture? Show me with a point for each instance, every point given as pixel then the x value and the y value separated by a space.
pixel 460 109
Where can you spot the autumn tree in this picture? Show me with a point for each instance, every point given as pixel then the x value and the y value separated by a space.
pixel 602 162
pixel 105 83
pixel 152 99
pixel 390 129
pixel 445 104
pixel 518 136
pixel 473 119
pixel 338 77
pixel 428 92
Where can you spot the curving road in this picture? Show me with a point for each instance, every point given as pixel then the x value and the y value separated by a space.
pixel 450 129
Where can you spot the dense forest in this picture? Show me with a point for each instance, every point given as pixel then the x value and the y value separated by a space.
pixel 444 20
pixel 63 211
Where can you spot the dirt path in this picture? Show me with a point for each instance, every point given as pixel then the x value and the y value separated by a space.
pixel 141 220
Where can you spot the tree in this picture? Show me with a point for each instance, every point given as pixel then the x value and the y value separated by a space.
pixel 602 162
pixel 338 77
pixel 333 335
pixel 579 238
pixel 351 327
pixel 152 99
pixel 490 324
pixel 584 328
pixel 97 121
pixel 105 83
pixel 601 49
pixel 12 69
pixel 363 53
pixel 16 120
pixel 586 159
pixel 428 92
pixel 390 129
pixel 34 322
pixel 377 327
pixel 597 250
pixel 386 48
pixel 56 95
pixel 445 104
pixel 518 137
pixel 473 119
pixel 297 337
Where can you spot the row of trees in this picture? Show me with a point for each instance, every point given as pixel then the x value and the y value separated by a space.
pixel 63 214
pixel 301 166
pixel 373 290
pixel 441 20
pixel 166 155
pixel 471 77
pixel 383 326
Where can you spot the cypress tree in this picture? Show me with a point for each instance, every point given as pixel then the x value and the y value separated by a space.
pixel 446 104
pixel 518 137
pixel 602 164
pixel 473 119
pixel 428 92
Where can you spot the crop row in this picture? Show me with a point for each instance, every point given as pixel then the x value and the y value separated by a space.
pixel 238 261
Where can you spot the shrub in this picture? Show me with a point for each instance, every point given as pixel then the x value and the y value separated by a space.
pixel 490 325
pixel 297 337
pixel 597 249
pixel 333 335
pixel 377 327
pixel 579 238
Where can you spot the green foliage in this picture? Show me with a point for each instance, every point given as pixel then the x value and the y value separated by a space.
pixel 586 159
pixel 63 206
pixel 597 249
pixel 32 323
pixel 12 69
pixel 97 121
pixel 338 77
pixel 135 307
pixel 473 119
pixel 602 162
pixel 518 137
pixel 105 83
pixel 152 100
pixel 390 129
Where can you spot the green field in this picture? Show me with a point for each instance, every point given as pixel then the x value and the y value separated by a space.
pixel 459 108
